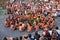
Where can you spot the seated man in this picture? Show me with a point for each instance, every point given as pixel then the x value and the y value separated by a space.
pixel 12 26
pixel 21 27
pixel 29 28
pixel 6 23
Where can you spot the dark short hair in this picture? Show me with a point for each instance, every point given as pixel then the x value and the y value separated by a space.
pixel 56 27
pixel 4 38
pixel 26 37
pixel 20 37
pixel 29 35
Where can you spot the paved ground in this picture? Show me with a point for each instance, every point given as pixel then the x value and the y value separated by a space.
pixel 7 32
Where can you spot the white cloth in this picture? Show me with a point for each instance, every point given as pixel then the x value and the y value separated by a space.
pixel 58 31
pixel 54 14
pixel 11 1
pixel 50 32
pixel 45 0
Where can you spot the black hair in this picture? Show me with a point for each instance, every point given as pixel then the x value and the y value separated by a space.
pixel 29 35
pixel 53 19
pixel 57 28
pixel 20 37
pixel 16 38
pixel 38 16
pixel 26 37
pixel 45 23
pixel 20 24
pixel 4 38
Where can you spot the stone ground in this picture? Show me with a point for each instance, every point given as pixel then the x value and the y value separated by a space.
pixel 7 32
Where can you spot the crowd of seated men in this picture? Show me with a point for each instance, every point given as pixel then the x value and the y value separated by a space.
pixel 30 21
pixel 44 36
pixel 28 17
